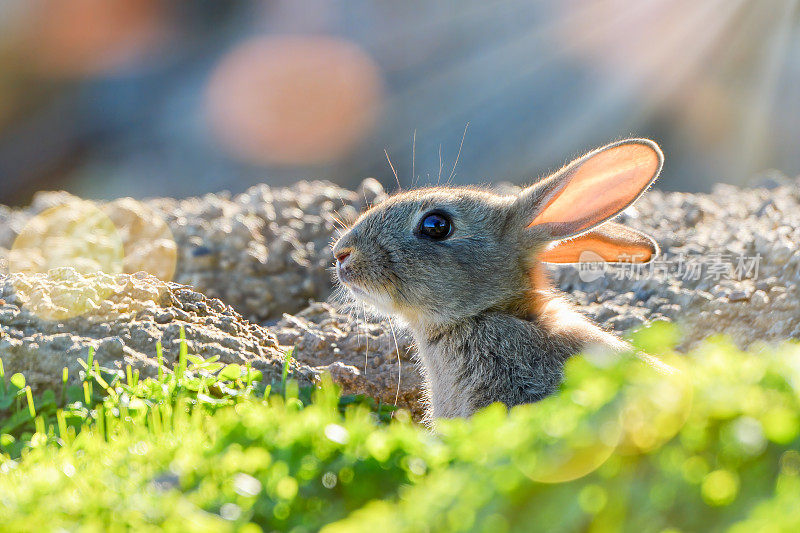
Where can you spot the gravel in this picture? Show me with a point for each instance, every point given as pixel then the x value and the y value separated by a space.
pixel 266 253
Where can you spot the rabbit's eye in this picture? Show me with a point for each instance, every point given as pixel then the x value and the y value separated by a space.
pixel 436 226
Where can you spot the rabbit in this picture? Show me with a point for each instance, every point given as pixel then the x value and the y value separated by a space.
pixel 462 268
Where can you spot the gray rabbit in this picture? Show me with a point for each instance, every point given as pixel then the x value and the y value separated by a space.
pixel 462 268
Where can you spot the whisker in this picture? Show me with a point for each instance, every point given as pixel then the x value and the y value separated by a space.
pixel 399 187
pixel 438 179
pixel 366 339
pixel 337 218
pixel 352 313
pixel 399 363
pixel 458 155
pixel 339 194
pixel 413 157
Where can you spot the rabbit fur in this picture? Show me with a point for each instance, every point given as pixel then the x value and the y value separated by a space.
pixel 488 325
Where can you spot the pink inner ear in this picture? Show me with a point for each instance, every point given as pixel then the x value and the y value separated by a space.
pixel 600 187
pixel 610 242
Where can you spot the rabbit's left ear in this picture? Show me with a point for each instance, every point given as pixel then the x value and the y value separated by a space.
pixel 590 190
pixel 610 243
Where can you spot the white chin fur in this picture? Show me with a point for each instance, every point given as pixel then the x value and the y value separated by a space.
pixel 381 306
pixel 380 301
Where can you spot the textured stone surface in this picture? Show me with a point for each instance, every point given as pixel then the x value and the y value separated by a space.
pixel 367 357
pixel 265 251
pixel 124 319
pixel 123 316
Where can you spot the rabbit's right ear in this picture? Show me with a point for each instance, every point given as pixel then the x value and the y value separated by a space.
pixel 589 190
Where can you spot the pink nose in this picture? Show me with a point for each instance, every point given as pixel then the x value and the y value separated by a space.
pixel 341 256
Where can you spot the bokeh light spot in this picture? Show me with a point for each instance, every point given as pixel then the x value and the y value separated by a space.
pixel 87 37
pixel 147 240
pixel 77 248
pixel 293 100
pixel 592 498
pixel 577 444
pixel 656 405
pixel 720 487
pixel 65 241
pixel 75 234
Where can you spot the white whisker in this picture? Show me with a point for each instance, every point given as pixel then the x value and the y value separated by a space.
pixel 399 363
pixel 366 339
pixel 400 187
pixel 413 158
pixel 458 155
pixel 438 179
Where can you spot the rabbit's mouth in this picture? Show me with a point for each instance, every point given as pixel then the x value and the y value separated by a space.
pixel 346 279
pixel 361 287
pixel 359 292
pixel 344 276
pixel 356 290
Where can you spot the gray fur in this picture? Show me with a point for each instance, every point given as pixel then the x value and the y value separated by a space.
pixel 468 299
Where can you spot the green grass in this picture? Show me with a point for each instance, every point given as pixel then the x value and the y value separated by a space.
pixel 713 445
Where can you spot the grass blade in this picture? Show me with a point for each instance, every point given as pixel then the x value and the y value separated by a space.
pixel 160 360
pixel 90 359
pixel 64 379
pixel 31 407
pixel 287 359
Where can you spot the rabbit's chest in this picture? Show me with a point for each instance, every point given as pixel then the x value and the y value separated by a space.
pixel 449 390
pixel 491 358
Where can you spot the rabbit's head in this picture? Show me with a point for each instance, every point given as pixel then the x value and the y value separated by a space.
pixel 438 255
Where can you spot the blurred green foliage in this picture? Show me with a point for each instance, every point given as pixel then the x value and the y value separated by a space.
pixel 700 442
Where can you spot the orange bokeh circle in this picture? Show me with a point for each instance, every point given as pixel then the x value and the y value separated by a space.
pixel 293 100
pixel 88 37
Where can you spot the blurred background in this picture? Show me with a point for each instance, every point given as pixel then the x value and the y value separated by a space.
pixel 110 98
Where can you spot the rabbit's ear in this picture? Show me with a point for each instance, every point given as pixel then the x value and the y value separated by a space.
pixel 610 243
pixel 591 189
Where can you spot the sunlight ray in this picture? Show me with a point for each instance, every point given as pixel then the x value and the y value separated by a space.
pixel 754 132
pixel 689 65
pixel 613 94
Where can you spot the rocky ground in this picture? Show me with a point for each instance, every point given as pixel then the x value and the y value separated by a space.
pixel 257 264
pixel 128 315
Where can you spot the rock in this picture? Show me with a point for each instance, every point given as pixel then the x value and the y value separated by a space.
pixel 738 296
pixel 124 329
pixel 140 310
pixel 265 251
pixel 364 357
pixel 760 298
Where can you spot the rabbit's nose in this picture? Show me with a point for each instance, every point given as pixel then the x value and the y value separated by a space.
pixel 342 255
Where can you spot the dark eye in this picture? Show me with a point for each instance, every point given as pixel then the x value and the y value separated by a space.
pixel 436 226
